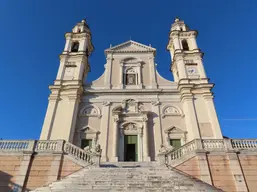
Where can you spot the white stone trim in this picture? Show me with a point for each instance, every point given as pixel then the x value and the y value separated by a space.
pixel 96 111
pixel 174 111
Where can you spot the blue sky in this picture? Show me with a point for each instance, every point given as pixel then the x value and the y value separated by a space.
pixel 32 37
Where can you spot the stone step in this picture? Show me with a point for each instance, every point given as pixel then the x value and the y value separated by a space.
pixel 128 176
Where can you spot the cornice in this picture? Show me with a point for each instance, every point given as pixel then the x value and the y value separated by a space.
pixel 118 48
pixel 174 33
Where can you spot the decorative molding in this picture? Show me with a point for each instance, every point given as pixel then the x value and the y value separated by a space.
pixel 155 103
pixel 116 118
pixel 90 111
pixel 170 110
pixel 106 103
pixel 126 48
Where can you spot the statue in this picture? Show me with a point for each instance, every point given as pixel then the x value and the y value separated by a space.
pixel 164 149
pixel 87 149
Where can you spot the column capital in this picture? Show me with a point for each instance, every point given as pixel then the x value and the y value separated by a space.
pixel 106 103
pixel 145 118
pixel 116 118
pixel 156 103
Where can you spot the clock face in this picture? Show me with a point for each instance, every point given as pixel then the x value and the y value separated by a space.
pixel 191 70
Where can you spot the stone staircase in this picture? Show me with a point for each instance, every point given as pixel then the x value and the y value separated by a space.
pixel 130 177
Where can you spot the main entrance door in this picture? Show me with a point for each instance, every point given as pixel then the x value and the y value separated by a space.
pixel 130 148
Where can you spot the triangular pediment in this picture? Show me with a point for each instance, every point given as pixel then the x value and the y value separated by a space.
pixel 130 47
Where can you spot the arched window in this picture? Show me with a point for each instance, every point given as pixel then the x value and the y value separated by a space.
pixel 75 47
pixel 185 45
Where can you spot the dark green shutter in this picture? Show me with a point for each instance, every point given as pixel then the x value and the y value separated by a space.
pixel 86 142
pixel 176 143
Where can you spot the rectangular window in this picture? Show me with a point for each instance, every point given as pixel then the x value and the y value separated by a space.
pixel 176 143
pixel 86 142
pixel 131 79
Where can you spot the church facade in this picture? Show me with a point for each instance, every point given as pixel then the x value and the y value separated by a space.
pixel 130 110
pixel 131 129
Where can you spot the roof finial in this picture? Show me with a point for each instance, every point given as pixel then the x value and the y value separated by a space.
pixel 177 19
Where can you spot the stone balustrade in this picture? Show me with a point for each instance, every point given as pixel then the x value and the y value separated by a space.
pixel 16 145
pixel 208 145
pixel 49 146
pixel 244 143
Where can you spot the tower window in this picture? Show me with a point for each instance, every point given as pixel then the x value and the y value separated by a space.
pixel 75 47
pixel 185 45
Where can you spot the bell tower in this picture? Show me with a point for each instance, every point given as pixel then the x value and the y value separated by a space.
pixel 185 54
pixel 61 114
pixel 188 71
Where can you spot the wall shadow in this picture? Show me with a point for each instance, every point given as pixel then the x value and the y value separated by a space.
pixel 7 185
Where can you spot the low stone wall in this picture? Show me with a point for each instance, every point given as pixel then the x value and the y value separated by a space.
pixel 27 165
pixel 230 165
pixel 26 172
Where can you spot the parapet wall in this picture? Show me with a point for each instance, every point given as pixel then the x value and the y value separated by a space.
pixel 27 165
pixel 230 165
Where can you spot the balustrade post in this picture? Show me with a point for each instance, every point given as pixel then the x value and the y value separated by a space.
pixel 228 144
pixel 199 145
pixel 59 146
pixel 31 146
pixel 161 159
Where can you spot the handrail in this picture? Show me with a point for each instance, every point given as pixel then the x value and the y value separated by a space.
pixel 81 154
pixel 211 145
pixel 183 150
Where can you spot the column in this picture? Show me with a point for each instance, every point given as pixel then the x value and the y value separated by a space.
pixel 213 117
pixel 115 138
pixel 145 140
pixel 104 130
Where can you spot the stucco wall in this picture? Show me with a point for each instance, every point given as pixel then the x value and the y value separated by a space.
pixel 190 167
pixel 221 172
pixel 249 166
pixel 26 171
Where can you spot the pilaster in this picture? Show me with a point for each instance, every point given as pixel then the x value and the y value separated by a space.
pixel 108 73
pixel 115 138
pixel 104 129
pixel 237 172
pixel 157 129
pixel 203 163
pixel 152 72
pixel 189 111
pixel 50 115
pixel 212 115
pixel 145 140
